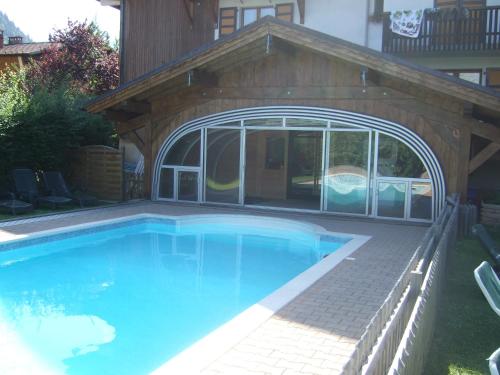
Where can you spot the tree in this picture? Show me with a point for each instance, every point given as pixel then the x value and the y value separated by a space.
pixel 42 135
pixel 83 57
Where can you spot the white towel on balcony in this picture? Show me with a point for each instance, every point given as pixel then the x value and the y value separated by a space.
pixel 407 22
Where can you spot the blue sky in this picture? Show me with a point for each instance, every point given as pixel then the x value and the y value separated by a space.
pixel 38 18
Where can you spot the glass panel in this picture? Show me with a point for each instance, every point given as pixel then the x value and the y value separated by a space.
pixel 267 12
pixel 297 122
pixel 474 77
pixel 186 151
pixel 283 168
pixel 231 124
pixel 223 165
pixel 249 16
pixel 187 186
pixel 347 175
pixel 421 200
pixel 166 183
pixel 264 122
pixel 340 125
pixel 391 199
pixel 395 159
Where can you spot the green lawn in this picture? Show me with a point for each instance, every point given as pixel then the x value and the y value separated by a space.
pixel 467 329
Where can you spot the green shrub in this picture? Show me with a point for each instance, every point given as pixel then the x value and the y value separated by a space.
pixel 41 133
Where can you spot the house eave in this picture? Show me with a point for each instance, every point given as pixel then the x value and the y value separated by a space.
pixel 305 38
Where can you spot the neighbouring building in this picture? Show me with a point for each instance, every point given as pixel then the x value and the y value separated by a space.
pixel 230 106
pixel 17 53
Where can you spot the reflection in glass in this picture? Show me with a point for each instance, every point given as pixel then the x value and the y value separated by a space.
pixel 304 167
pixel 186 151
pixel 347 175
pixel 268 11
pixel 187 186
pixel 166 183
pixel 395 159
pixel 223 165
pixel 249 16
pixel 391 199
pixel 421 200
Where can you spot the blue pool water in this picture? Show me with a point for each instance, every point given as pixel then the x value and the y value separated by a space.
pixel 125 298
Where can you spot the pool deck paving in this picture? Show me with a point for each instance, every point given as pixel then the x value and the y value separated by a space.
pixel 315 333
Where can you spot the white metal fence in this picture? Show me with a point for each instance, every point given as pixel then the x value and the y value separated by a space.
pixel 398 336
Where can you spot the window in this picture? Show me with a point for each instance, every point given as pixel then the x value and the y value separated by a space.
pixel 275 152
pixel 493 78
pixel 378 9
pixel 285 12
pixel 471 75
pixel 227 22
pixel 249 15
pixel 186 151
pixel 395 159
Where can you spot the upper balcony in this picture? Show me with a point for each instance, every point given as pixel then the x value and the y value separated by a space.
pixel 446 31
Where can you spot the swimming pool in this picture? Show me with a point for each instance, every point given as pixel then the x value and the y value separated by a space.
pixel 128 296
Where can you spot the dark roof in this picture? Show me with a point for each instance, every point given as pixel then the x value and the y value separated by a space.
pixel 310 39
pixel 27 48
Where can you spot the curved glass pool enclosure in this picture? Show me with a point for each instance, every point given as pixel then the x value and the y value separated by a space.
pixel 300 158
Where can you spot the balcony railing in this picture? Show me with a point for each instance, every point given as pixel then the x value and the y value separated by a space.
pixel 448 30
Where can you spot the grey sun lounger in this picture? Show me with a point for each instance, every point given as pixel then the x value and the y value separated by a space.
pixel 494 362
pixel 55 183
pixel 8 202
pixel 489 284
pixel 480 231
pixel 27 190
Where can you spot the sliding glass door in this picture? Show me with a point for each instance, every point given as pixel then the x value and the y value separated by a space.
pixel 283 168
pixel 347 172
pixel 222 171
pixel 299 164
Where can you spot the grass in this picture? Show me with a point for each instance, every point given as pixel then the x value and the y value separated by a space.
pixel 467 330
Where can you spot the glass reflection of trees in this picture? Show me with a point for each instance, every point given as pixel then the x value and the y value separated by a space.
pixel 395 159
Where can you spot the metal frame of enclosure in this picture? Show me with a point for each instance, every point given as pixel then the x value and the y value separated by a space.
pixel 332 121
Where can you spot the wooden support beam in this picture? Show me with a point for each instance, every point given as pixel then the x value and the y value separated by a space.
pixel 290 92
pixel 135 106
pixel 215 11
pixel 148 159
pixel 462 165
pixel 136 140
pixel 483 156
pixel 117 116
pixel 189 6
pixel 485 130
pixel 302 10
pixel 125 127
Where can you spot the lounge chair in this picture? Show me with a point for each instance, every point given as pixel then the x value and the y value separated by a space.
pixel 489 284
pixel 55 183
pixel 8 202
pixel 494 362
pixel 480 231
pixel 27 190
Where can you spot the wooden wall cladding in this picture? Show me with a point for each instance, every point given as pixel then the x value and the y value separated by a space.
pixel 158 31
pixel 304 78
pixel 99 169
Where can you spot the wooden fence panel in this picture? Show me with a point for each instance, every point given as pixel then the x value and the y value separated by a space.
pixel 397 338
pixel 99 170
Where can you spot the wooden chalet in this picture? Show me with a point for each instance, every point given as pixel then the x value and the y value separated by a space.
pixel 276 115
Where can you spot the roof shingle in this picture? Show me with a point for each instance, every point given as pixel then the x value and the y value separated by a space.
pixel 27 48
